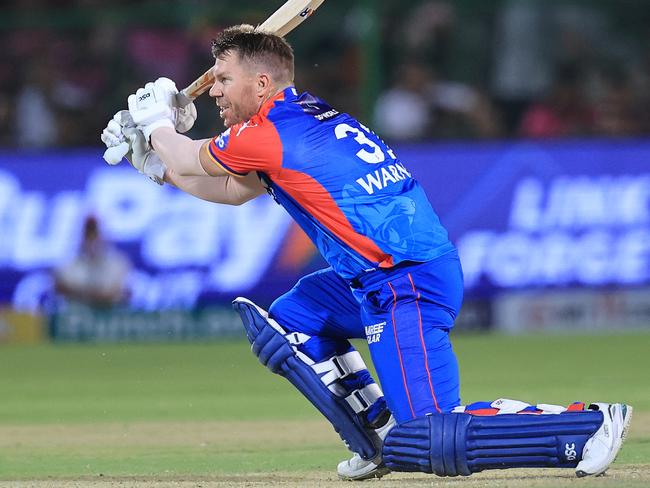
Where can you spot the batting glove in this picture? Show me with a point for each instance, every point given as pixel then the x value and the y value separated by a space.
pixel 143 158
pixel 114 139
pixel 156 106
pixel 124 140
pixel 185 116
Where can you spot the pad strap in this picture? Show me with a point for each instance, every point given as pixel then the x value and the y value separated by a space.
pixel 361 400
pixel 339 367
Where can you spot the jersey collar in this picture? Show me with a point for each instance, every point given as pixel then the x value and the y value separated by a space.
pixel 288 94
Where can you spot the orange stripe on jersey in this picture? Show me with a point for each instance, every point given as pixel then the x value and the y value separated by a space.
pixel 317 201
pixel 253 145
pixel 215 159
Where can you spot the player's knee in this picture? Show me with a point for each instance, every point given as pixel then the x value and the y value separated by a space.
pixel 283 310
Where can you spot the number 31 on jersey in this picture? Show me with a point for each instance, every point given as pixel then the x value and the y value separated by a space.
pixel 373 156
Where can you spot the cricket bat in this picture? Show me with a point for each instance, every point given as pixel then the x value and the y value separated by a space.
pixel 281 22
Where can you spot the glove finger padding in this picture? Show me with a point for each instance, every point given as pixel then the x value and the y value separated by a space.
pixel 124 119
pixel 185 117
pixel 113 137
pixel 154 106
pixel 114 154
pixel 124 140
pixel 165 84
pixel 112 134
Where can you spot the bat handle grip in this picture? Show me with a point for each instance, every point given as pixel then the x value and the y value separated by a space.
pixel 196 88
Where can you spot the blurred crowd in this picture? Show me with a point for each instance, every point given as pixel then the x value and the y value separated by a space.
pixel 97 275
pixel 442 69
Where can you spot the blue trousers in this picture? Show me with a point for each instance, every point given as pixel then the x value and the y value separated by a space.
pixel 405 313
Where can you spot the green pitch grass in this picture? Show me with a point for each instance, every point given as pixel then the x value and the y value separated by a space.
pixel 211 413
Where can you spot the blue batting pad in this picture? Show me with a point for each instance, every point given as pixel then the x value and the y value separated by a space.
pixel 460 444
pixel 275 352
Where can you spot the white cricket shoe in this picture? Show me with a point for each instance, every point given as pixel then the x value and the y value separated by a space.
pixel 356 468
pixel 601 448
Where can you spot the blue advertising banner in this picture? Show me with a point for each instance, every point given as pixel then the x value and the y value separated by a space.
pixel 183 250
pixel 570 213
pixel 523 215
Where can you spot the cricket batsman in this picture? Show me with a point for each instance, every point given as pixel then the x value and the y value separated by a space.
pixel 393 277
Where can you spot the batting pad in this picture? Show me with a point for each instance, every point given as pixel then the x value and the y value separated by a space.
pixel 455 444
pixel 275 350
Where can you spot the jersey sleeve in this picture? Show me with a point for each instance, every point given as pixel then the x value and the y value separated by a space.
pixel 252 146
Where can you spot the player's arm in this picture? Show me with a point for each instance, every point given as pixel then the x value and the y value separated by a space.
pixel 237 152
pixel 184 156
pixel 219 189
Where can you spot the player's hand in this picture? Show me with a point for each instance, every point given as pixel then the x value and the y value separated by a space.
pixel 124 140
pixel 155 106
pixel 116 143
pixel 185 117
pixel 142 157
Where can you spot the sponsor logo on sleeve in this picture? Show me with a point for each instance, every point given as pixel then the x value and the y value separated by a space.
pixel 222 140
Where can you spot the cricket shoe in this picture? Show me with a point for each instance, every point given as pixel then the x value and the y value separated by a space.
pixel 601 448
pixel 357 469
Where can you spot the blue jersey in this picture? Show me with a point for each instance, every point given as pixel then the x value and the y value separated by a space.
pixel 342 184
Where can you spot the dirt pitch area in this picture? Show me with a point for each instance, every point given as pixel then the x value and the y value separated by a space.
pixel 278 434
pixel 637 476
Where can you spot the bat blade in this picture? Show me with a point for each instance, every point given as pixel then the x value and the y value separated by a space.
pixel 281 22
pixel 289 16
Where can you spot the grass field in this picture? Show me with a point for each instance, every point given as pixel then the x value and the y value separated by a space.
pixel 209 415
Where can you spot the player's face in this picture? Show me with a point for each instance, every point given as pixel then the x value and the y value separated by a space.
pixel 234 90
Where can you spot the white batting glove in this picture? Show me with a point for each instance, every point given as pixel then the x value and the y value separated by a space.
pixel 124 140
pixel 152 106
pixel 185 117
pixel 116 143
pixel 142 157
pixel 156 106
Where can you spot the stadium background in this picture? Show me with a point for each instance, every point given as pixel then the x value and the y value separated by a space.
pixel 527 122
